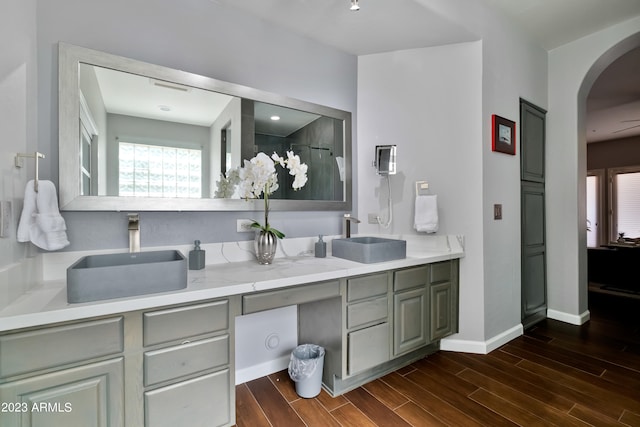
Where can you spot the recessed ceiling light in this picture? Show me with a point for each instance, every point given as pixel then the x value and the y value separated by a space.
pixel 275 118
pixel 164 108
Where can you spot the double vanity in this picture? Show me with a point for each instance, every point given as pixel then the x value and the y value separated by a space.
pixel 168 358
pixel 137 340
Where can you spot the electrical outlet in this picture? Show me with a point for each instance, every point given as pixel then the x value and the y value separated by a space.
pixel 244 226
pixel 373 218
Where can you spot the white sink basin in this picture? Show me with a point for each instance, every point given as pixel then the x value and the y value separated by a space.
pixel 369 249
pixel 100 277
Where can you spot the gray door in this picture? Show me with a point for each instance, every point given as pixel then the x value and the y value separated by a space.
pixel 532 200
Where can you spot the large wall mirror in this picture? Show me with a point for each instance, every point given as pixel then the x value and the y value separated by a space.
pixel 138 136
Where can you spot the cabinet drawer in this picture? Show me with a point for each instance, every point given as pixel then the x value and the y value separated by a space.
pixel 185 359
pixel 368 347
pixel 202 401
pixel 367 286
pixel 410 278
pixel 60 345
pixel 183 322
pixel 440 272
pixel 292 296
pixel 366 312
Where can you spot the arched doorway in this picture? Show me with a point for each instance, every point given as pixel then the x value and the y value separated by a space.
pixel 599 261
pixel 572 70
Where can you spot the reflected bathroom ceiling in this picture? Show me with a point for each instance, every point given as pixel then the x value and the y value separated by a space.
pixel 139 96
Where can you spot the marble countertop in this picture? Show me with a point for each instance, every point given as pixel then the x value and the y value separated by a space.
pixel 226 275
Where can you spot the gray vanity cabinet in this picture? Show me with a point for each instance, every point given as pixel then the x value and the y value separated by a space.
pixel 381 322
pixel 425 305
pixel 64 375
pixel 170 366
pixel 187 366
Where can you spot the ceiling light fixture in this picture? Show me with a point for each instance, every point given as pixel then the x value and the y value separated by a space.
pixel 275 118
pixel 354 5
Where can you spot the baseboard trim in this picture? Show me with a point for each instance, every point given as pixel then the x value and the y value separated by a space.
pixel 573 319
pixel 261 370
pixel 481 347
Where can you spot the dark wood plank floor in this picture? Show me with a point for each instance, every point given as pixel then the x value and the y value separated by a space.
pixel 556 374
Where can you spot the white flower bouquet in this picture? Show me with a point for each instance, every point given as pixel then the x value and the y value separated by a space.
pixel 259 178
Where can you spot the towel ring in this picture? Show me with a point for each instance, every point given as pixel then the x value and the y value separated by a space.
pixel 37 155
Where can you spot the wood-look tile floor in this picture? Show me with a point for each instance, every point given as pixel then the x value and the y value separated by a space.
pixel 556 374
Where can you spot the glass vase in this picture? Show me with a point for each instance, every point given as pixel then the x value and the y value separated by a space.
pixel 265 245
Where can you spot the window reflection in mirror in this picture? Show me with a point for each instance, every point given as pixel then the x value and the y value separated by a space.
pixel 153 138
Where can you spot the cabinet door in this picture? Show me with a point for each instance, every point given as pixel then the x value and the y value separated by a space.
pixel 534 268
pixel 88 396
pixel 410 323
pixel 441 311
pixel 532 135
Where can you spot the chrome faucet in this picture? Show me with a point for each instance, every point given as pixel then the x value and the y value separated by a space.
pixel 346 226
pixel 134 232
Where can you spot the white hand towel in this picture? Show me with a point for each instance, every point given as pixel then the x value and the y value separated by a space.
pixel 27 220
pixel 46 227
pixel 426 214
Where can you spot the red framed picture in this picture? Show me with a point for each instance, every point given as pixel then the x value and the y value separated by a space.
pixel 503 135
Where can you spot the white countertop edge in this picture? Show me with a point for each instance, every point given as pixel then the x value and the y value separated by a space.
pixel 46 304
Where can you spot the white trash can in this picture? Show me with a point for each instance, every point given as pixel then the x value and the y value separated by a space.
pixel 305 368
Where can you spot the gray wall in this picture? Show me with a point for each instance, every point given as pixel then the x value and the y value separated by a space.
pixel 613 154
pixel 202 37
pixel 17 115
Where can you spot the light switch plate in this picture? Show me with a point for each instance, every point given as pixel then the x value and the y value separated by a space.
pixel 5 218
pixel 497 211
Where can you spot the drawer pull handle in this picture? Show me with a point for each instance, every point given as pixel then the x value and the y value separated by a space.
pixel 185 342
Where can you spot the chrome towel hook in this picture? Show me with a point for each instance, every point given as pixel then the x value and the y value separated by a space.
pixel 37 155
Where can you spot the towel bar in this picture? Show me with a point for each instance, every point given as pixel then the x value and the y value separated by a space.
pixel 37 155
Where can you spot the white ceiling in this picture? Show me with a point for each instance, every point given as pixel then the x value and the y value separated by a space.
pixel 379 25
pixel 613 105
pixel 387 25
pixel 557 22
